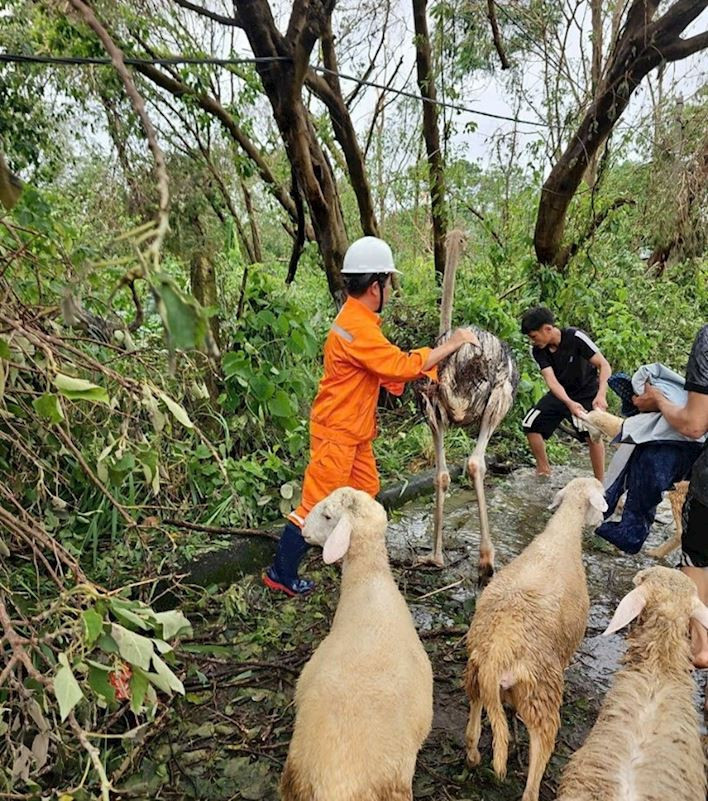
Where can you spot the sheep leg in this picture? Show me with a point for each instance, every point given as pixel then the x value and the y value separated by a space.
pixel 442 482
pixel 541 742
pixel 474 729
pixel 477 469
pixel 665 548
pixel 677 498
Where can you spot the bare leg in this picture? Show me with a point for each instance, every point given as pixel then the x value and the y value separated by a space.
pixel 538 448
pixel 597 458
pixel 699 635
pixel 477 469
pixel 442 482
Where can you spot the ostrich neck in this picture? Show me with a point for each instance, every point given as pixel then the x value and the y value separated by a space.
pixel 448 291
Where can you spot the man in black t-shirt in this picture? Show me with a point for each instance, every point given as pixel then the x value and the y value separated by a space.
pixel 692 421
pixel 576 374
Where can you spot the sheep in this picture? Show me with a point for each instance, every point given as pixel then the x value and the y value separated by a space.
pixel 364 701
pixel 646 745
pixel 526 627
pixel 677 497
pixel 600 424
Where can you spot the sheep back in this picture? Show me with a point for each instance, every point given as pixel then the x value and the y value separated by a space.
pixel 645 745
pixel 364 703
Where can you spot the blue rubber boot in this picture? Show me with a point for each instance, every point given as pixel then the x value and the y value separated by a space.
pixel 282 574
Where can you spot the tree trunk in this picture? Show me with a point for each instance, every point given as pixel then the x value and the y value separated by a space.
pixel 282 82
pixel 431 134
pixel 642 45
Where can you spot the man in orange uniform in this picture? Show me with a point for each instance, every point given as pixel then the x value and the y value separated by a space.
pixel 358 360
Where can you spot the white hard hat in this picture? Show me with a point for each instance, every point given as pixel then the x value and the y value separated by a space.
pixel 368 255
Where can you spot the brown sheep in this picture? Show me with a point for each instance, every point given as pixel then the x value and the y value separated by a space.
pixel 526 627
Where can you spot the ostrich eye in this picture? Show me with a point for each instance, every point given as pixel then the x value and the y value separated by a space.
pixel 327 517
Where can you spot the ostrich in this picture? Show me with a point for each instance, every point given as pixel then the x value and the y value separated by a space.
pixel 476 387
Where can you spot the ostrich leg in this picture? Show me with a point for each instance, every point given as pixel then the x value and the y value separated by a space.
pixel 477 469
pixel 442 482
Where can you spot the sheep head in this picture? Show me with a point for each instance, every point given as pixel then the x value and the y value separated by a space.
pixel 332 520
pixel 588 491
pixel 602 424
pixel 663 588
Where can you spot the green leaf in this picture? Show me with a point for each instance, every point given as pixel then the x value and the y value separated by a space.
pixel 129 617
pixel 134 648
pixel 173 623
pixel 98 681
pixel 148 459
pixel 48 407
pixel 261 387
pixel 66 688
pixel 138 688
pixel 164 679
pixel 162 670
pixel 78 389
pixel 235 363
pixel 280 405
pixel 5 350
pixel 93 626
pixel 185 320
pixel 107 644
pixel 178 411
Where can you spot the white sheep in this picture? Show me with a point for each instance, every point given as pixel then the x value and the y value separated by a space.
pixel 646 745
pixel 602 424
pixel 365 699
pixel 526 627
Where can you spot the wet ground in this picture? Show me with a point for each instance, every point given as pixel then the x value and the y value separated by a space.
pixel 228 738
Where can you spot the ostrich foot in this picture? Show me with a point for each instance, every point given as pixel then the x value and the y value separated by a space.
pixel 430 560
pixel 485 573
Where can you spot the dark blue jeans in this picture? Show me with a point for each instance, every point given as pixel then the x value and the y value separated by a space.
pixel 650 470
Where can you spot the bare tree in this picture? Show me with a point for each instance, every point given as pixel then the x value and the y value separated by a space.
pixel 642 44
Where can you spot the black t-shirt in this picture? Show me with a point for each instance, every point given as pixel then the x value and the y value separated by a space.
pixel 697 381
pixel 571 363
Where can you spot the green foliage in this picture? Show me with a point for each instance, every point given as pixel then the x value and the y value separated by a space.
pixel 266 377
pixel 102 441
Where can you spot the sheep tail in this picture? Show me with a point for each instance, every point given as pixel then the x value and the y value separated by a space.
pixel 490 693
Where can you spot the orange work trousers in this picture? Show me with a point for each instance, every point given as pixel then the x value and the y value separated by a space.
pixel 332 466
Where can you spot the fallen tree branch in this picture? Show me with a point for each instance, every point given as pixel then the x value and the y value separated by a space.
pixel 238 532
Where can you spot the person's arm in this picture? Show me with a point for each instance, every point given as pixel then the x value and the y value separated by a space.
pixel 459 337
pixel 575 408
pixel 392 365
pixel 605 371
pixel 690 420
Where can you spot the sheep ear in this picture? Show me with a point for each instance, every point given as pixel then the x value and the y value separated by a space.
pixel 700 613
pixel 337 544
pixel 557 498
pixel 597 500
pixel 629 608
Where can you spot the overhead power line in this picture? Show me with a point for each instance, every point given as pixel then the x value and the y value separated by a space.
pixel 21 58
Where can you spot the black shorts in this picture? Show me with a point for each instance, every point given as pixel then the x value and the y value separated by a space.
pixel 545 417
pixel 694 539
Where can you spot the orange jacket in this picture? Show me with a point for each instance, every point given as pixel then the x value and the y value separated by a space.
pixel 358 360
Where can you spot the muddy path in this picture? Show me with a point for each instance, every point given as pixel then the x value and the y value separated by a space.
pixel 227 739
